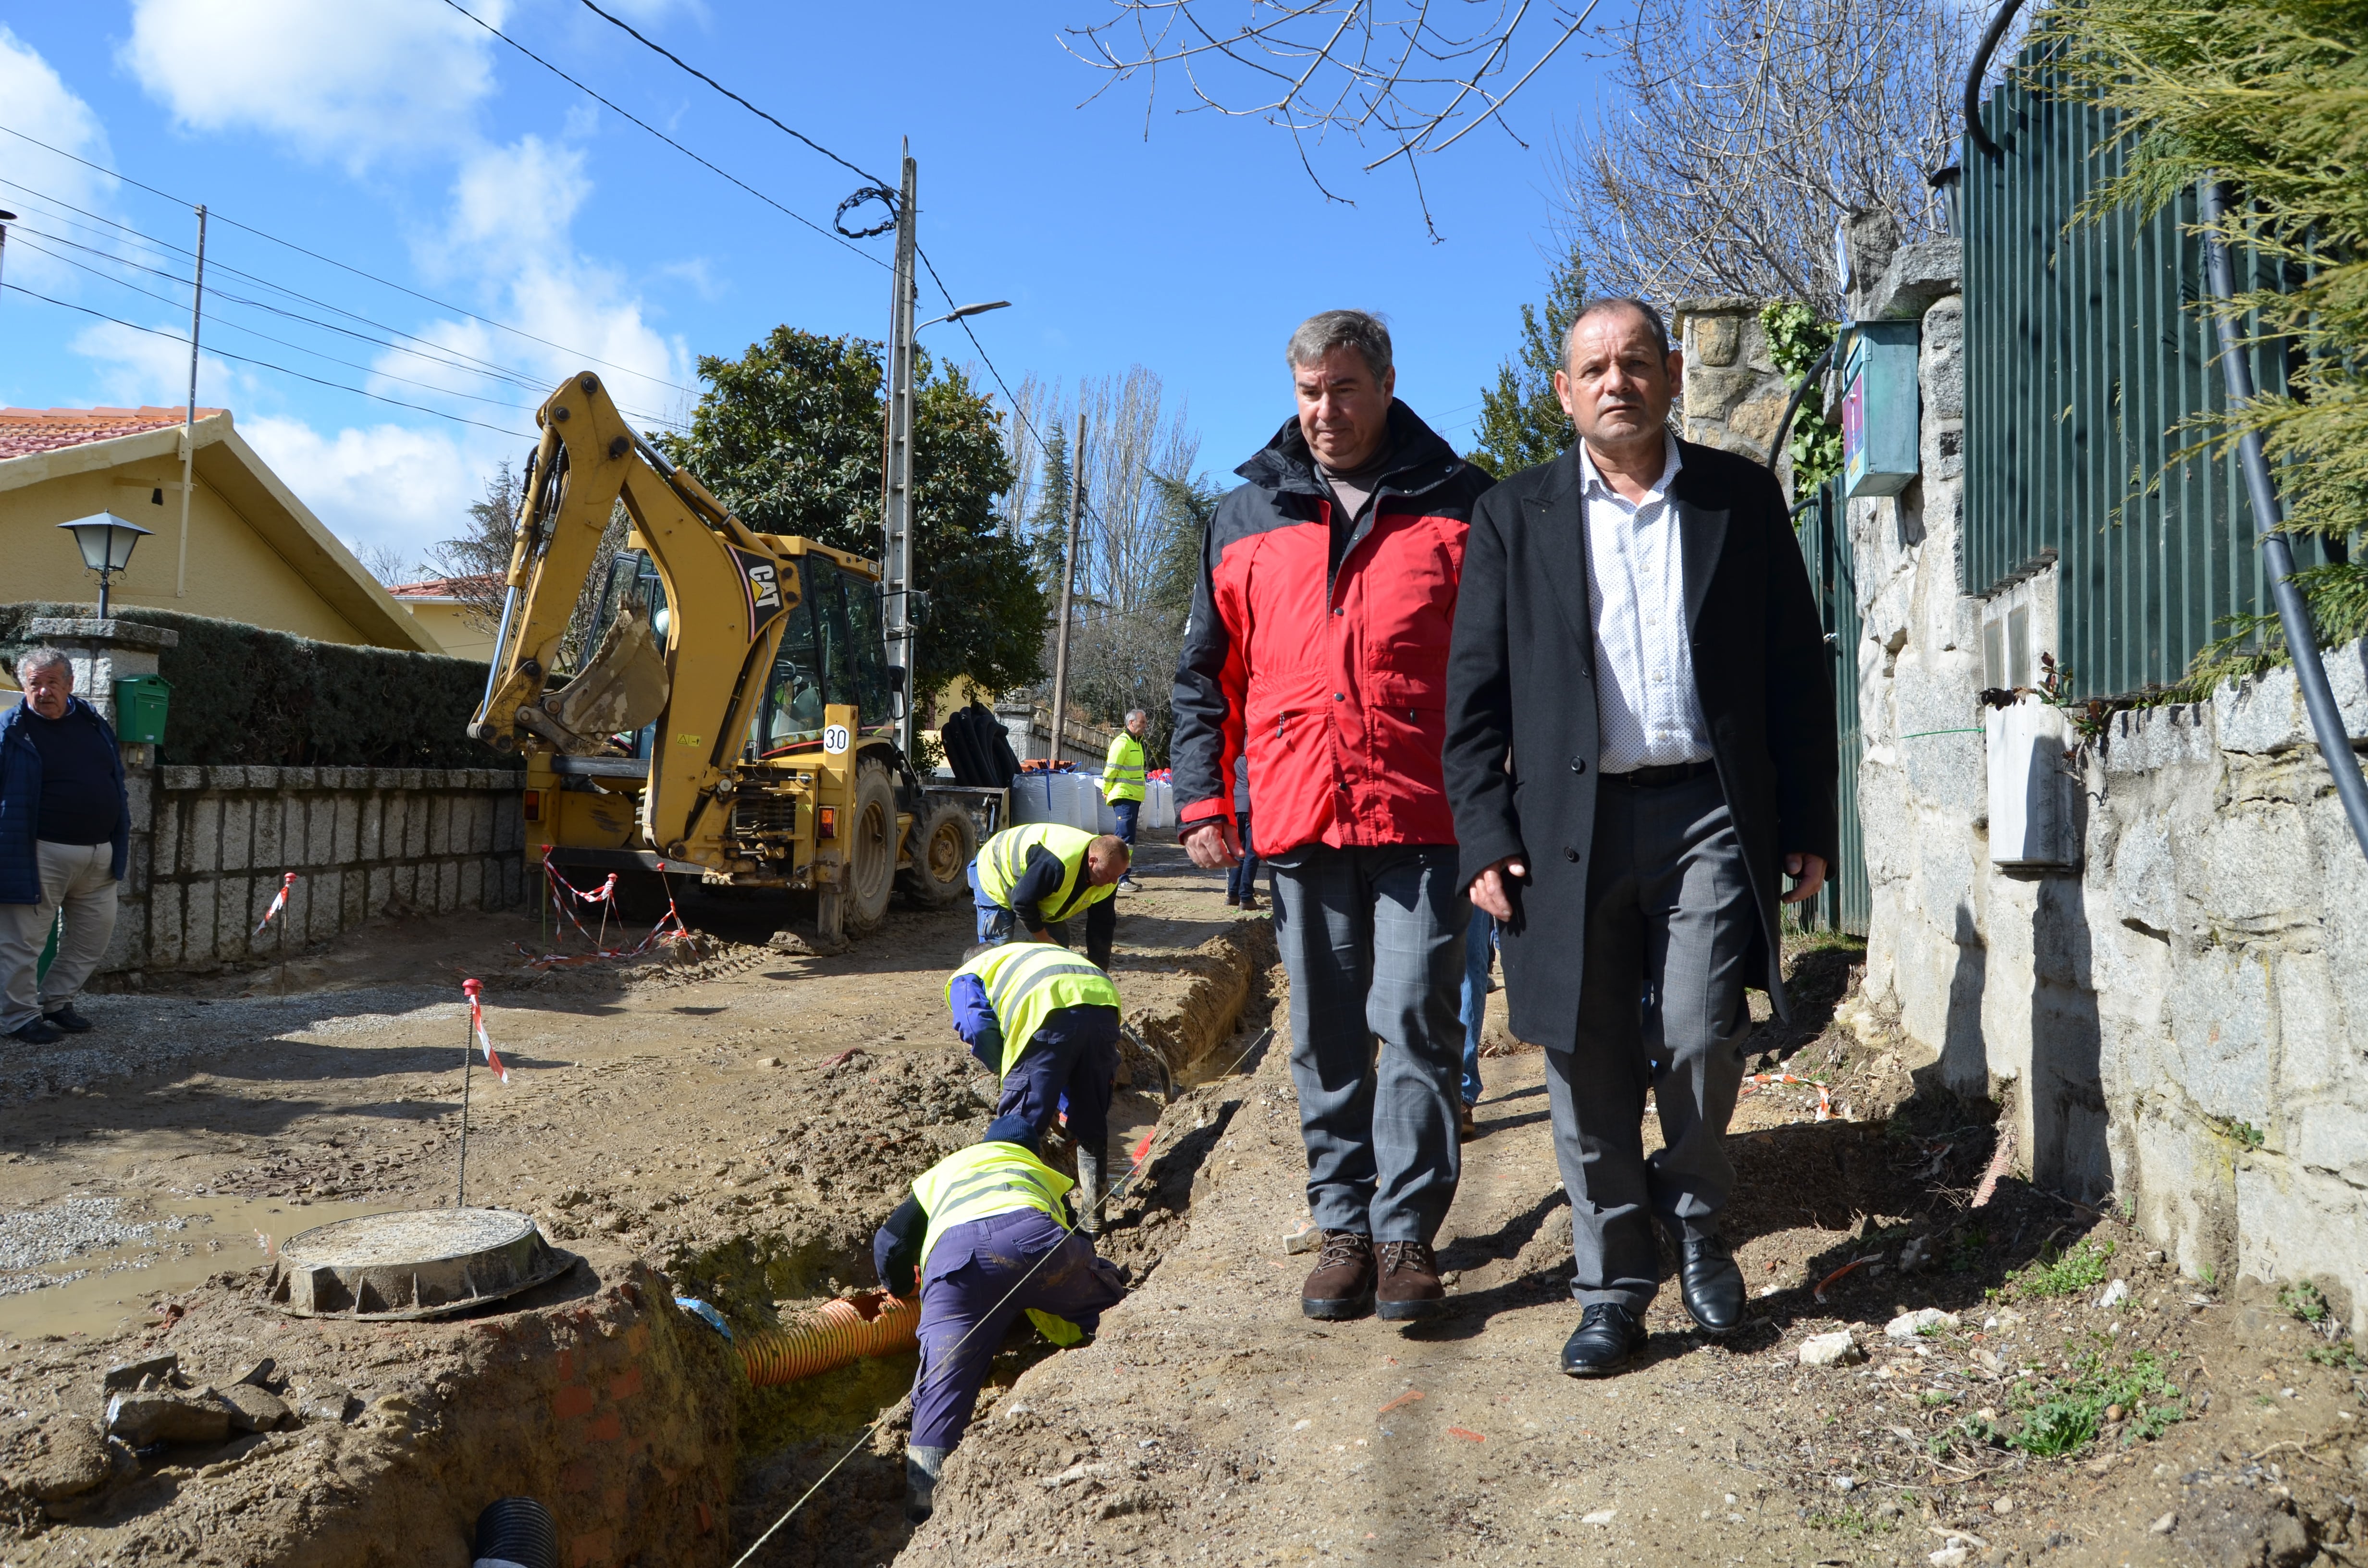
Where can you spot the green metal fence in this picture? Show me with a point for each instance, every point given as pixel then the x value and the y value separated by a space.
pixel 2083 360
pixel 1825 545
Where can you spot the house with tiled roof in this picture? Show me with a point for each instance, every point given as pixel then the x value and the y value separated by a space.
pixel 462 612
pixel 252 551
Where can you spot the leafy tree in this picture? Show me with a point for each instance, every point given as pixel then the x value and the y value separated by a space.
pixel 1521 421
pixel 1795 337
pixel 789 436
pixel 478 559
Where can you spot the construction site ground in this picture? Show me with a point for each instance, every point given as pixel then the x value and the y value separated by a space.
pixel 731 1122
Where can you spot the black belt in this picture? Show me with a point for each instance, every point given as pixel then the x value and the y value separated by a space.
pixel 1668 773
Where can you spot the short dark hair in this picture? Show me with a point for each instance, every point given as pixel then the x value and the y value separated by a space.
pixel 1607 303
pixel 1322 332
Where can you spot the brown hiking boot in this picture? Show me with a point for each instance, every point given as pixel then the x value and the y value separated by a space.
pixel 1342 1285
pixel 1409 1285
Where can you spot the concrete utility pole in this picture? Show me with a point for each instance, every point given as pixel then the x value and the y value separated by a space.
pixel 1068 586
pixel 897 513
pixel 190 420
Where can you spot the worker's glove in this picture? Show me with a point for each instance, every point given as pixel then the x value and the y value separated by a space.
pixel 988 1048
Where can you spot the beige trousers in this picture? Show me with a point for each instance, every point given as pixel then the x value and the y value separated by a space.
pixel 75 876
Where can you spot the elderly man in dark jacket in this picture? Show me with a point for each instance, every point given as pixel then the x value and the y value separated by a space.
pixel 65 826
pixel 1640 746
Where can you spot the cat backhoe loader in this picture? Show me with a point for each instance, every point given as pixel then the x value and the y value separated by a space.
pixel 725 712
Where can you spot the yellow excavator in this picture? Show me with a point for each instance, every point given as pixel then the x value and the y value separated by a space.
pixel 726 711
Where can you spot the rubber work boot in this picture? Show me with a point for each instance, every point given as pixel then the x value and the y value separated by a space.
pixel 922 1468
pixel 1093 1181
pixel 1342 1284
pixel 1409 1286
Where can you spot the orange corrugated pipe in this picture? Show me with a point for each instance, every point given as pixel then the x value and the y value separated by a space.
pixel 874 1323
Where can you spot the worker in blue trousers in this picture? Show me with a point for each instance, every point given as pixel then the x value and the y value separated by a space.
pixel 1030 882
pixel 984 1238
pixel 1045 1021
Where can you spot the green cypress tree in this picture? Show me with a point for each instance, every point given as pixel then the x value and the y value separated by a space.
pixel 1521 422
pixel 1048 526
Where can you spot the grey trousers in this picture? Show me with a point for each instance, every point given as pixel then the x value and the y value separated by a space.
pixel 74 875
pixel 1670 926
pixel 1372 940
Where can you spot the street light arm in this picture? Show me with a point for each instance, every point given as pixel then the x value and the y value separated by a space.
pixel 958 313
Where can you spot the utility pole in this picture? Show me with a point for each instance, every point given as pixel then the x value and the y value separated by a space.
pixel 1068 586
pixel 896 511
pixel 190 420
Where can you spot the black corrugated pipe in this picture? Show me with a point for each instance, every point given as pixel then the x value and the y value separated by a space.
pixel 1991 37
pixel 1784 425
pixel 2277 551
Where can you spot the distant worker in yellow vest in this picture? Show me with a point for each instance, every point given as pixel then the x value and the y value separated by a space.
pixel 1045 1022
pixel 1122 778
pixel 973 1239
pixel 1033 879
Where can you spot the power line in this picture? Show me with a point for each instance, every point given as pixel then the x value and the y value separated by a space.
pixel 345 267
pixel 265 364
pixel 661 135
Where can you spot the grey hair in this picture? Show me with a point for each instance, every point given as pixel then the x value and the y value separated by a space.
pixel 1609 302
pixel 42 658
pixel 1327 330
pixel 1138 714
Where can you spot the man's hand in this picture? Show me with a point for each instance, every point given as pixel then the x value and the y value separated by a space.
pixel 1213 846
pixel 1040 936
pixel 1490 893
pixel 1809 871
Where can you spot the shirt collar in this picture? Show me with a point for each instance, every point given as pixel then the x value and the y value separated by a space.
pixel 1593 484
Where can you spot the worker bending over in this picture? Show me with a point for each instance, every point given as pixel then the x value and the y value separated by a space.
pixel 973 1239
pixel 1045 1021
pixel 1035 878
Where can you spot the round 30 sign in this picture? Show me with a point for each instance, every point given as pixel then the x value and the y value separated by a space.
pixel 835 740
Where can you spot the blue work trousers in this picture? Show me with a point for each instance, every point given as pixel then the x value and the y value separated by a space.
pixel 1127 812
pixel 1069 1066
pixel 1241 882
pixel 975 1280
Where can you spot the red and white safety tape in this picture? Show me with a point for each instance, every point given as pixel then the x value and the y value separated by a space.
pixel 475 991
pixel 279 903
pixel 670 928
pixel 1824 1101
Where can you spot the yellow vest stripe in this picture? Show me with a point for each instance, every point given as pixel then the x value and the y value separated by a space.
pixel 985 1180
pixel 1123 770
pixel 1003 861
pixel 1026 983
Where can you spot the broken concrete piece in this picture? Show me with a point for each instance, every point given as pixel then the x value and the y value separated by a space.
pixel 1915 1325
pixel 1835 1350
pixel 259 1375
pixel 60 1456
pixel 327 1402
pixel 256 1408
pixel 127 1374
pixel 1307 1238
pixel 2114 1293
pixel 141 1419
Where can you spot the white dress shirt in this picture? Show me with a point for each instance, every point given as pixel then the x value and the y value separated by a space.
pixel 1648 713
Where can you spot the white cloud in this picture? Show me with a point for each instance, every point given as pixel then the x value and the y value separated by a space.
pixel 344 82
pixel 39 101
pixel 135 368
pixel 516 199
pixel 388 485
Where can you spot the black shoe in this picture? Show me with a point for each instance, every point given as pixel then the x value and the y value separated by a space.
pixel 1710 1283
pixel 1607 1338
pixel 40 1032
pixel 66 1019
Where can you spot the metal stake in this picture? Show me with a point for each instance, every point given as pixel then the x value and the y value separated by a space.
pixel 468 1063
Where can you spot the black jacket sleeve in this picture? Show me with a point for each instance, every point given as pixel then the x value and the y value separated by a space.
pixel 1803 741
pixel 897 1250
pixel 1039 881
pixel 1208 719
pixel 1480 696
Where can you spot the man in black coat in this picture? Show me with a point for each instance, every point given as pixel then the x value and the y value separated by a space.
pixel 1640 740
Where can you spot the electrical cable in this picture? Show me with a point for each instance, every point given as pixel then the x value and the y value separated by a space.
pixel 661 135
pixel 264 364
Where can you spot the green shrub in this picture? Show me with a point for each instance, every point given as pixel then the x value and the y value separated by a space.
pixel 245 695
pixel 2064 1418
pixel 2062 1273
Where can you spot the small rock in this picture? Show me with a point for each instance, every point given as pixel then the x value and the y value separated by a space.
pixel 127 1374
pixel 2003 1506
pixel 1888 1510
pixel 259 1409
pixel 259 1375
pixel 1915 1254
pixel 2164 1524
pixel 327 1402
pixel 141 1419
pixel 1915 1325
pixel 1600 1516
pixel 1845 1482
pixel 769 1061
pixel 63 1457
pixel 1950 1557
pixel 1307 1238
pixel 2114 1293
pixel 1835 1350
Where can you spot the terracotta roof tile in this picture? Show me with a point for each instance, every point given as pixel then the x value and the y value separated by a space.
pixel 441 587
pixel 25 431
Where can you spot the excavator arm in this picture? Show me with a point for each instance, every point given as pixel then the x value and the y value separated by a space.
pixel 698 679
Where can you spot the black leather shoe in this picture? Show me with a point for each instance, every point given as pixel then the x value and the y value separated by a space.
pixel 1608 1337
pixel 40 1032
pixel 1710 1283
pixel 66 1019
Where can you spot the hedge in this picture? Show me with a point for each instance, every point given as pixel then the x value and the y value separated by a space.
pixel 244 694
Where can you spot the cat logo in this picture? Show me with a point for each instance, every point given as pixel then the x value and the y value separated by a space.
pixel 760 576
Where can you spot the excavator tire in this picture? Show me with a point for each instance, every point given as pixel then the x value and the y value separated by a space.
pixel 945 841
pixel 872 847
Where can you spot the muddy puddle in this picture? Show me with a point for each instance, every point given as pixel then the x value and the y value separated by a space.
pixel 90 1265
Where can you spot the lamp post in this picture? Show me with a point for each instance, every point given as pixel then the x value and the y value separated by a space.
pixel 961 310
pixel 105 541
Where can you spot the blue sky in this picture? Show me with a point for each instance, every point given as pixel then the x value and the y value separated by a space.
pixel 397 137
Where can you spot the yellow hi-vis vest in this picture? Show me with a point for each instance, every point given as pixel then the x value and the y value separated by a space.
pixel 1003 861
pixel 1025 982
pixel 984 1180
pixel 1123 770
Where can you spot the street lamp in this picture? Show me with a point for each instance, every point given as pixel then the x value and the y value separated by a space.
pixel 106 542
pixel 961 310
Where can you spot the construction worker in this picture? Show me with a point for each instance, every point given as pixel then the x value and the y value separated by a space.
pixel 1122 775
pixel 984 1238
pixel 1045 1022
pixel 1035 878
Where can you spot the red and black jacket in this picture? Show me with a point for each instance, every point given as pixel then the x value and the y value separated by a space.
pixel 1335 685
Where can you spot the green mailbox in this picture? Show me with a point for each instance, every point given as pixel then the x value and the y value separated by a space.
pixel 140 702
pixel 1879 408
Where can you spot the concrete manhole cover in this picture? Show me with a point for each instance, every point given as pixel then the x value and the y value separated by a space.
pixel 419 1264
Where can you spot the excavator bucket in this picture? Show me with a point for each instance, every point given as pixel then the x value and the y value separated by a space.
pixel 624 688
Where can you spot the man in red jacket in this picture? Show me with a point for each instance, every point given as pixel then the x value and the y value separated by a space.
pixel 1319 644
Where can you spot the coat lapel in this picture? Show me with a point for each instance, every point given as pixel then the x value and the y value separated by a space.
pixel 1702 533
pixel 1557 517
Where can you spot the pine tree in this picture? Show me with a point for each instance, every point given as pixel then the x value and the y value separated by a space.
pixel 1048 528
pixel 1521 421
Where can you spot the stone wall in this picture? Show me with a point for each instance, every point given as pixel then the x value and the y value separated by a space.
pixel 1733 393
pixel 362 841
pixel 2175 1020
